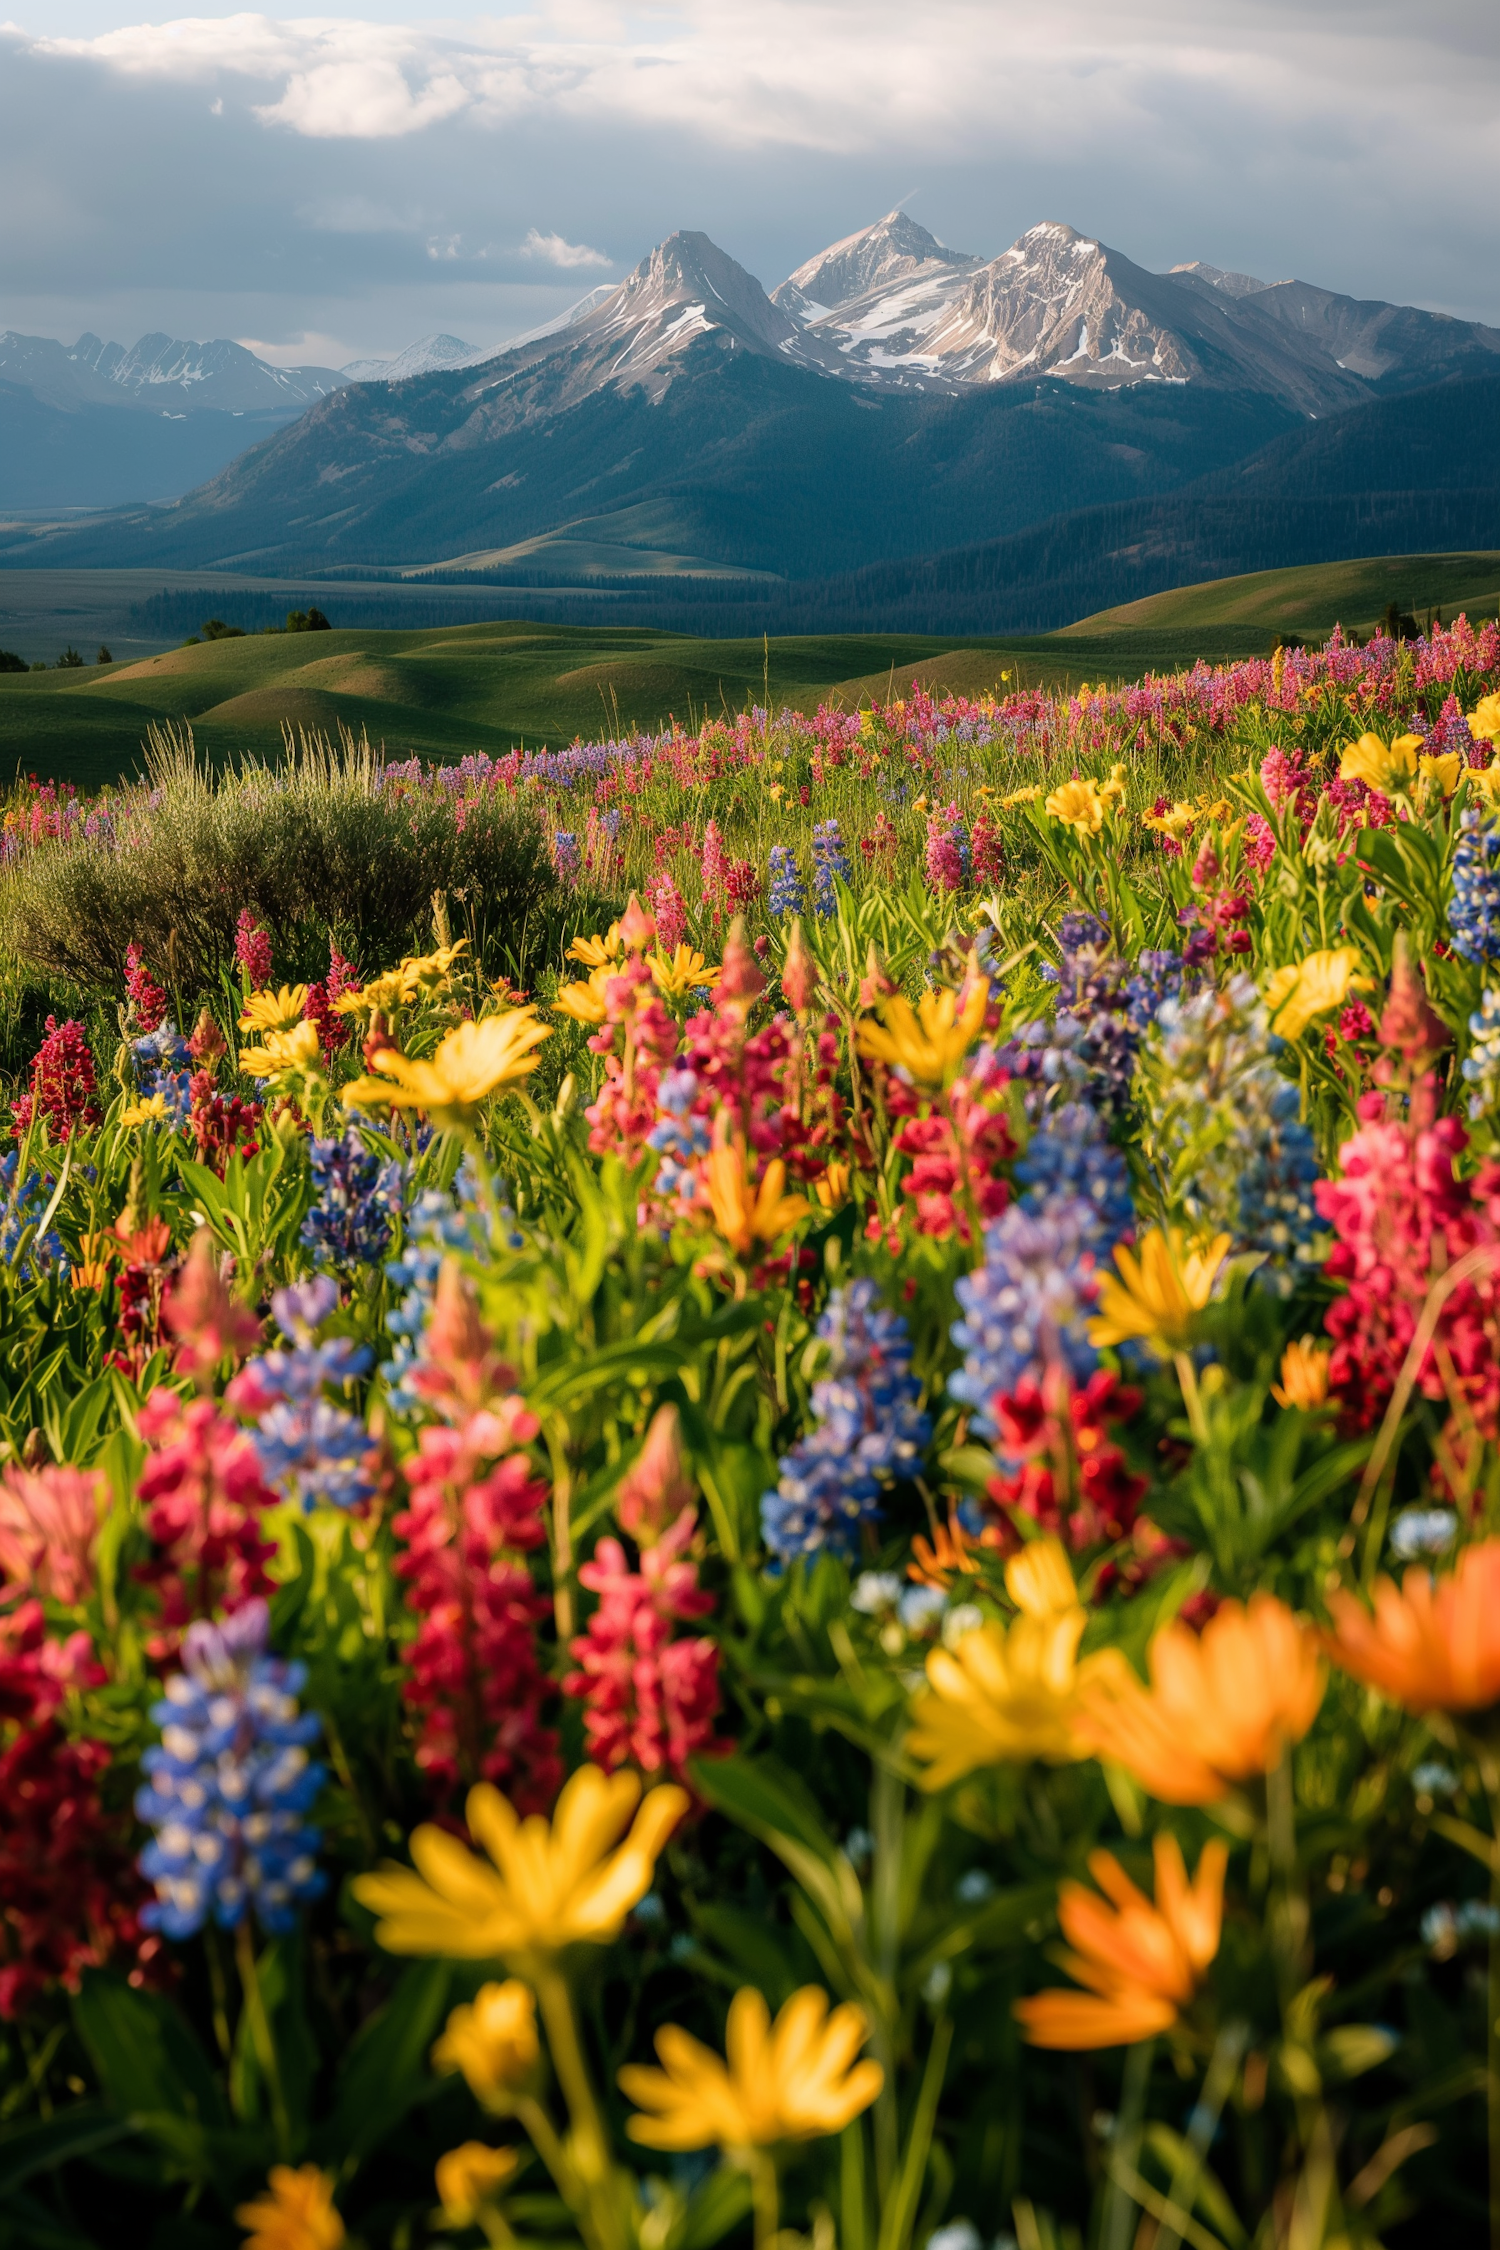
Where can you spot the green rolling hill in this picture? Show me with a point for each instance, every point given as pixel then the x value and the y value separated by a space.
pixel 1310 599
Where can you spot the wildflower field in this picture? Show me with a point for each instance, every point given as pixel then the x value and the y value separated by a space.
pixel 750 1482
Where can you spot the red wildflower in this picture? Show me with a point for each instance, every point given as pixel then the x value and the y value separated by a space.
pixel 1061 1467
pixel 63 1085
pixel 210 1324
pixel 145 997
pixel 652 1699
pixel 69 1892
pixel 252 951
pixel 473 1678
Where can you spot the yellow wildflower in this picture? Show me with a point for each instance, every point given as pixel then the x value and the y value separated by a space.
pixel 493 2042
pixel 930 1040
pixel 282 1053
pixel 151 1111
pixel 1304 1375
pixel 1175 822
pixel 570 1881
pixel 1486 779
pixel 1019 797
pixel 1300 990
pixel 747 1214
pixel 585 1002
pixel 681 973
pixel 275 1011
pixel 1007 1694
pixel 1079 805
pixel 383 994
pixel 832 1186
pixel 595 951
pixel 1445 771
pixel 1484 719
pixel 1159 1290
pixel 295 2213
pixel 472 1063
pixel 1389 768
pixel 1116 786
pixel 423 974
pixel 793 2080
pixel 471 2177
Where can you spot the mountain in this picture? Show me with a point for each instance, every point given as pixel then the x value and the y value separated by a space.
pixel 417 359
pixel 894 398
pixel 94 425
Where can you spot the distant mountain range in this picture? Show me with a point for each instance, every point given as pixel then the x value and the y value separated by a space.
pixel 893 402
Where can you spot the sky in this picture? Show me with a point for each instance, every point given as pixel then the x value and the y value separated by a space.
pixel 332 186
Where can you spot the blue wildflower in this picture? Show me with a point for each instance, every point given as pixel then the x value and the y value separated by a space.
pixel 309 1448
pixel 1474 909
pixel 230 1785
pixel 1481 1067
pixel 438 1226
pixel 1069 1159
pixel 1029 1304
pixel 869 1430
pixel 788 893
pixel 357 1196
pixel 830 864
pixel 21 1210
pixel 565 855
pixel 163 1065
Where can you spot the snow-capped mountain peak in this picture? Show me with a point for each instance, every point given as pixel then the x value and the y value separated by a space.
pixel 417 359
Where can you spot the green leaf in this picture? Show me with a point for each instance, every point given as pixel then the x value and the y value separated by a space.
pixel 143 2052
pixel 1353 2048
pixel 717 2208
pixel 385 2070
pixel 37 2147
pixel 765 1797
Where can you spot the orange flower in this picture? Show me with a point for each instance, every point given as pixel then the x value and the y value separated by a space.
pixel 1219 1708
pixel 1141 1963
pixel 950 1549
pixel 1431 1647
pixel 746 1214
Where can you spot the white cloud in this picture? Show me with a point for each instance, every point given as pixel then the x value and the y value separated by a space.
pixel 841 75
pixel 557 251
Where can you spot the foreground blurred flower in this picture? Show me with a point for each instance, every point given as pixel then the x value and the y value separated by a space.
pixel 470 2178
pixel 1143 1962
pixel 585 1002
pixel 793 2080
pixel 929 1041
pixel 595 952
pixel 1219 1708
pixel 295 2213
pixel 1304 1376
pixel 472 1063
pixel 274 1011
pixel 49 1527
pixel 568 1882
pixel 1008 1694
pixel 1161 1289
pixel 1484 719
pixel 1301 990
pixel 1385 767
pixel 493 2041
pixel 1430 1647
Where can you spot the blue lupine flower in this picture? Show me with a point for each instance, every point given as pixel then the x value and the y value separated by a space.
pixel 1481 1065
pixel 1089 1050
pixel 1158 977
pixel 164 1066
pixel 309 1448
pixel 565 855
pixel 230 1785
pixel 1474 909
pixel 1423 1531
pixel 438 1226
pixel 788 893
pixel 681 1136
pixel 1278 1214
pixel 357 1196
pixel 21 1211
pixel 1029 1304
pixel 1069 1158
pixel 869 1431
pixel 830 863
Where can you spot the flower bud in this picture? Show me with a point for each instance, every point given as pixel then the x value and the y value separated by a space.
pixel 655 1489
pixel 637 927
pixel 493 2041
pixel 798 974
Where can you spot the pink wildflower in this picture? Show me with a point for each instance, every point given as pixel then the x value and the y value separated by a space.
pixel 204 1500
pixel 49 1527
pixel 146 999
pixel 671 914
pixel 715 866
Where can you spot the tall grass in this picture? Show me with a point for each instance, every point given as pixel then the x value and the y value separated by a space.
pixel 312 846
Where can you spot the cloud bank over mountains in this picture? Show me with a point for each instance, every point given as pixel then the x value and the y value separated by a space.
pixel 373 173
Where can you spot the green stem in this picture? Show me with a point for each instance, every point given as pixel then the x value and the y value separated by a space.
pixel 764 2197
pixel 1289 1914
pixel 1192 1397
pixel 260 2035
pixel 1116 2231
pixel 588 2149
